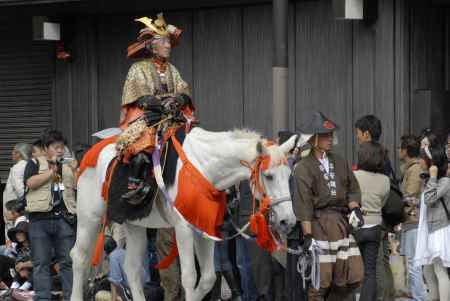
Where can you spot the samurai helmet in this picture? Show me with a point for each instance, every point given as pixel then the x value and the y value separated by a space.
pixel 154 29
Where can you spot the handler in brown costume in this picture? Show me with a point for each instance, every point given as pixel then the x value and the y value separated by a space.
pixel 326 192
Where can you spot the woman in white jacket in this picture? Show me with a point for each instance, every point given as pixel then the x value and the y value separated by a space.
pixel 14 186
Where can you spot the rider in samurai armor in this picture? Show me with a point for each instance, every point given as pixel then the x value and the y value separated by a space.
pixel 153 91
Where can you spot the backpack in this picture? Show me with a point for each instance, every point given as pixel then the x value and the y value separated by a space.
pixel 393 212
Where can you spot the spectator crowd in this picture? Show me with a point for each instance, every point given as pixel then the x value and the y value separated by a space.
pixel 39 210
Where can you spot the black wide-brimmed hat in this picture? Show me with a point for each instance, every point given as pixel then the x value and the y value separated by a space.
pixel 317 123
pixel 21 227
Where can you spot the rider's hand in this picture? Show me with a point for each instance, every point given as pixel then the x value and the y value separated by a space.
pixel 146 102
pixel 169 104
pixel 183 100
pixel 152 117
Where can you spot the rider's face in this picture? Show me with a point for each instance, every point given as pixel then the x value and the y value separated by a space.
pixel 161 48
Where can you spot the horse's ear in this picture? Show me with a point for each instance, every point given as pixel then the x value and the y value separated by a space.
pixel 260 148
pixel 289 144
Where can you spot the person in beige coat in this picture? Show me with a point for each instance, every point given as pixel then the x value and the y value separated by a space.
pixel 411 186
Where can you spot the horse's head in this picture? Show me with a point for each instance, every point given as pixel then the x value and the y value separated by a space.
pixel 271 179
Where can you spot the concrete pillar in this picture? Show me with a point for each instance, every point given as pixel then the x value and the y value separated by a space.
pixel 280 103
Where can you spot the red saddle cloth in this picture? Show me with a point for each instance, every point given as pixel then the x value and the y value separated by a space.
pixel 91 156
pixel 198 201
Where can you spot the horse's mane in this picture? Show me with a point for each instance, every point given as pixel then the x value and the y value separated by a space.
pixel 275 152
pixel 246 134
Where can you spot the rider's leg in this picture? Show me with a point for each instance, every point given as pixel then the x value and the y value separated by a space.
pixel 139 167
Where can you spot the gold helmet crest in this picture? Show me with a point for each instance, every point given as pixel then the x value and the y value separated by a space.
pixel 157 26
pixel 154 29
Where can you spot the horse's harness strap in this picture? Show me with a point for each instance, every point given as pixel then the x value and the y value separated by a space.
pixel 279 201
pixel 179 149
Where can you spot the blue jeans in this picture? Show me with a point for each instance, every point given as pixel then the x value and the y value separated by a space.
pixel 46 235
pixel 249 292
pixel 416 284
pixel 222 261
pixel 415 278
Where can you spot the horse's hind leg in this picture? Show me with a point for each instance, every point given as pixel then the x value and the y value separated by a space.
pixel 204 249
pixel 87 232
pixel 134 259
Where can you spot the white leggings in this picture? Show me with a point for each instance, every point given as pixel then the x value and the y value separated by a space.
pixel 438 281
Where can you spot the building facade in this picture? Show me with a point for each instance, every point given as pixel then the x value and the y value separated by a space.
pixel 394 66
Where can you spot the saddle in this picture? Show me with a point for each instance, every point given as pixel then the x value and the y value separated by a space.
pixel 116 182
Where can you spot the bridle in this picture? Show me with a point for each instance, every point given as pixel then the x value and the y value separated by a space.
pixel 267 204
pixel 259 225
pixel 274 203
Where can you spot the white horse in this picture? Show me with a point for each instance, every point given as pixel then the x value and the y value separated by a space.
pixel 218 156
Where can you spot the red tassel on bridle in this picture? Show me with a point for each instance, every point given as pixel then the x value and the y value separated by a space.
pixel 258 220
pixel 260 227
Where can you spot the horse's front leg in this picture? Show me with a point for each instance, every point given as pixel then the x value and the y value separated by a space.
pixel 134 259
pixel 204 249
pixel 185 244
pixel 90 209
pixel 87 232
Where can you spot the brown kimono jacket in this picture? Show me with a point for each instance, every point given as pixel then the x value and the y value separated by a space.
pixel 312 192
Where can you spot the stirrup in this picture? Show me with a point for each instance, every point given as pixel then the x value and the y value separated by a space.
pixel 137 196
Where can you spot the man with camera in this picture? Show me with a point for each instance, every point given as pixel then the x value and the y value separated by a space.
pixel 50 204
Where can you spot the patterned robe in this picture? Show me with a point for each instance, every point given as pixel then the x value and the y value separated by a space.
pixel 144 79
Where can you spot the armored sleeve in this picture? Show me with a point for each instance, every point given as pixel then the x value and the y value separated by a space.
pixel 181 87
pixel 137 84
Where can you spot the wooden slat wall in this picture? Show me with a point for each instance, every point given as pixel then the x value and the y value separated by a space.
pixel 115 33
pixel 218 65
pixel 257 82
pixel 429 57
pixel 384 74
pixel 324 67
pixel 447 49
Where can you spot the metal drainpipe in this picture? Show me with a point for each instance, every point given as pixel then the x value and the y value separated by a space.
pixel 280 104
